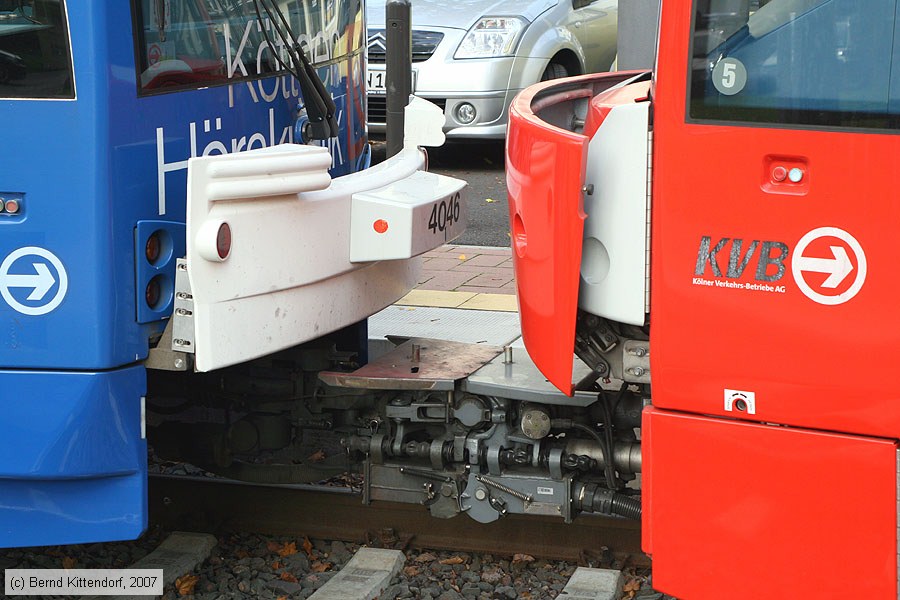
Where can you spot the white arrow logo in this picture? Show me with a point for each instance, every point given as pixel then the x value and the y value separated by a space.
pixel 40 282
pixel 837 268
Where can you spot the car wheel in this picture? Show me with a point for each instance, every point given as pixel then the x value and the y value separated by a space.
pixel 554 70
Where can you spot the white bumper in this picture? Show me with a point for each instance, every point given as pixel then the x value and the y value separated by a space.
pixel 305 256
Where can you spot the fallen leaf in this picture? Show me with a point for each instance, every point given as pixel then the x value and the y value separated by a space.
pixel 462 257
pixel 276 565
pixel 273 546
pixel 186 583
pixel 520 558
pixel 425 557
pixel 288 549
pixel 455 560
pixel 288 577
pixel 317 456
pixel 631 589
pixel 281 598
pixel 68 562
pixel 307 547
pixel 411 571
pixel 319 566
pixel 489 200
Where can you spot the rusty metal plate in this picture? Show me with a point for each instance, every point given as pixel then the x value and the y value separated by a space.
pixel 418 364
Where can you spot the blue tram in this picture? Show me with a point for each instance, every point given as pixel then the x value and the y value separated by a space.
pixel 102 105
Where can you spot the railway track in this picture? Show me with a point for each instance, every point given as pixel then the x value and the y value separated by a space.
pixel 197 503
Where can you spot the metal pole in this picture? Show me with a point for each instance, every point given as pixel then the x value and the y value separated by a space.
pixel 638 29
pixel 398 66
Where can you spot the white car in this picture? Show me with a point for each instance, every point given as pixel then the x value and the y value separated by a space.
pixel 471 57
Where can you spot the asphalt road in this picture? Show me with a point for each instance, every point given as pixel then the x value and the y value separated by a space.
pixel 481 165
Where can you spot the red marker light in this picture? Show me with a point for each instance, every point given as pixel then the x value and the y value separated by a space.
pixel 152 249
pixel 381 226
pixel 223 241
pixel 153 292
pixel 12 206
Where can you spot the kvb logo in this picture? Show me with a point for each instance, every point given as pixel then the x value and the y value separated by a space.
pixel 828 265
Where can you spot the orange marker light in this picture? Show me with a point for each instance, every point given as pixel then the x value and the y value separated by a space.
pixel 12 206
pixel 381 226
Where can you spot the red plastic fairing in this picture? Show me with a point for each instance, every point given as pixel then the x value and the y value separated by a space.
pixel 753 512
pixel 544 176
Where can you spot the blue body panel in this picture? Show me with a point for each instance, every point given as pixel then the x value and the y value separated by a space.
pixel 95 176
pixel 73 460
pixel 91 168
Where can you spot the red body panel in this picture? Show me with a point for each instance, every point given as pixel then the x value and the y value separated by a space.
pixel 745 511
pixel 809 364
pixel 544 176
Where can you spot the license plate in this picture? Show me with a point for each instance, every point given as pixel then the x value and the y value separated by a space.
pixel 376 80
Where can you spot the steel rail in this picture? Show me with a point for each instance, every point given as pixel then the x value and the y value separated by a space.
pixel 336 513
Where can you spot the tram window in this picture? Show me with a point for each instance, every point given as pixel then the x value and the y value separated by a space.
pixel 796 62
pixel 35 61
pixel 188 44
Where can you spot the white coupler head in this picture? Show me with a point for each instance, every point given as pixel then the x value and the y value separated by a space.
pixel 269 240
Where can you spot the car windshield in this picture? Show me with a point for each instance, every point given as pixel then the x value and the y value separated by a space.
pixel 35 61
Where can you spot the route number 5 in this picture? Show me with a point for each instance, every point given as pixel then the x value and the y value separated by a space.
pixel 729 76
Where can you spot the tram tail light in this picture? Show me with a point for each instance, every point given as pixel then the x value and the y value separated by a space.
pixel 157 244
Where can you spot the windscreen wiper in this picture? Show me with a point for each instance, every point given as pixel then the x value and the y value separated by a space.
pixel 320 108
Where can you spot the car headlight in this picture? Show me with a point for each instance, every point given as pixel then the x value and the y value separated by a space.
pixel 492 36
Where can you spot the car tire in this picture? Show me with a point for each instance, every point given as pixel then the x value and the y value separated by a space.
pixel 554 70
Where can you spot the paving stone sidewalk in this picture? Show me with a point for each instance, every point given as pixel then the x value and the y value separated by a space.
pixel 471 277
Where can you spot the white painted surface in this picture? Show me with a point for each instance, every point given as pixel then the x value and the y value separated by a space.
pixel 616 244
pixel 288 278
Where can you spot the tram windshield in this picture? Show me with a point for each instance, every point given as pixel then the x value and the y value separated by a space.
pixel 197 43
pixel 35 60
pixel 796 62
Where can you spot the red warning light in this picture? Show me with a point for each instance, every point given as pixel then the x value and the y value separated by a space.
pixel 381 226
pixel 223 241
pixel 12 206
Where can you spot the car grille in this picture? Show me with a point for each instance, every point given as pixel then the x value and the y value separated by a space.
pixel 424 43
pixel 377 107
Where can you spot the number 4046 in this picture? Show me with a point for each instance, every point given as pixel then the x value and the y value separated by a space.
pixel 444 214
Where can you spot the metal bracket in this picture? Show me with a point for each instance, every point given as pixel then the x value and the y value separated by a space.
pixel 636 361
pixel 163 358
pixel 183 315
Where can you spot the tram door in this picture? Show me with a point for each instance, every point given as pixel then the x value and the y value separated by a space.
pixel 773 270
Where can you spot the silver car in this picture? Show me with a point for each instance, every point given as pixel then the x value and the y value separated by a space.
pixel 471 57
